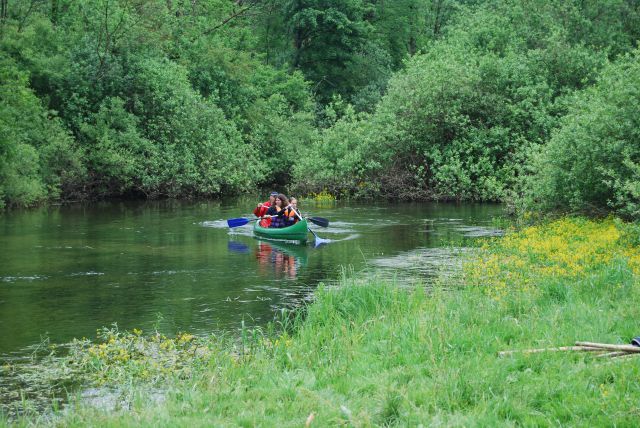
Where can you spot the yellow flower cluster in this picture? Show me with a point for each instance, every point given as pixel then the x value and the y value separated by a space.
pixel 108 352
pixel 323 196
pixel 567 248
pixel 124 354
pixel 184 338
pixel 285 341
pixel 633 258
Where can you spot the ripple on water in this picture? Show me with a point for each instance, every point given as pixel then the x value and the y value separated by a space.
pixel 479 231
pixel 23 278
pixel 366 222
pixel 216 224
pixel 422 262
pixel 346 238
pixel 89 273
pixel 335 230
pixel 241 231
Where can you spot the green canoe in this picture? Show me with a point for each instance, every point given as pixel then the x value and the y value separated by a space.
pixel 297 232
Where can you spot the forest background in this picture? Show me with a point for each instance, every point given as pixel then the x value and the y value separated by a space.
pixel 529 102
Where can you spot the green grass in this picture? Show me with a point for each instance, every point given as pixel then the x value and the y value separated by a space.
pixel 373 354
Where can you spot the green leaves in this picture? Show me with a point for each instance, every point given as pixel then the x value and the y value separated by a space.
pixel 592 163
pixel 327 38
pixel 37 156
pixel 462 119
pixel 408 99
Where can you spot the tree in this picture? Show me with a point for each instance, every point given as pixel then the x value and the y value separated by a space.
pixel 592 163
pixel 37 157
pixel 327 36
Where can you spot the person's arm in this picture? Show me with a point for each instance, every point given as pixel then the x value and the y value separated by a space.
pixel 272 211
pixel 261 209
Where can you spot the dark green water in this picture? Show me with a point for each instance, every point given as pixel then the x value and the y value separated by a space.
pixel 67 271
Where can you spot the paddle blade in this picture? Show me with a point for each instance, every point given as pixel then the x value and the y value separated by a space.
pixel 319 242
pixel 235 222
pixel 322 222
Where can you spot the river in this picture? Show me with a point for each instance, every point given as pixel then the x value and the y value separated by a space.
pixel 66 271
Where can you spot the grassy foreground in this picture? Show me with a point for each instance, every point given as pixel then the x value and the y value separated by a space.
pixel 376 354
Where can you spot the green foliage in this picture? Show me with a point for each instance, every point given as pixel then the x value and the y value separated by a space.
pixel 202 151
pixel 270 107
pixel 461 120
pixel 355 156
pixel 326 39
pixel 118 157
pixel 160 99
pixel 37 157
pixel 428 99
pixel 592 162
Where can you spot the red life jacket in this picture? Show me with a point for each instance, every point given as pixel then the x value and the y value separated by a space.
pixel 262 211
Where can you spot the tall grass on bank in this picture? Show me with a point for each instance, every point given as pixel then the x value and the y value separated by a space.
pixel 372 354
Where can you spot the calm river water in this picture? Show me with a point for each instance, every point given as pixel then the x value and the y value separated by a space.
pixel 67 271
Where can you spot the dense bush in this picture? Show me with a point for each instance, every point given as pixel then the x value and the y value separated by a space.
pixel 148 100
pixel 592 162
pixel 460 121
pixel 416 99
pixel 200 151
pixel 38 158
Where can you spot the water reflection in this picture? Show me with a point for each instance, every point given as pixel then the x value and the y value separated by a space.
pixel 238 247
pixel 274 259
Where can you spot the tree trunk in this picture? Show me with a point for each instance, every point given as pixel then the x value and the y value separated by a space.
pixel 297 44
pixel 412 43
pixel 54 11
pixel 437 21
pixel 4 5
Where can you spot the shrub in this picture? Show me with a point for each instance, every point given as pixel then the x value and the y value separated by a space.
pixel 462 118
pixel 37 157
pixel 592 163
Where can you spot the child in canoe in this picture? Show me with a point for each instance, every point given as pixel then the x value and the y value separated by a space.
pixel 282 212
pixel 292 217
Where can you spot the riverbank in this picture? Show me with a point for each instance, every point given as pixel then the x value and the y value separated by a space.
pixel 374 354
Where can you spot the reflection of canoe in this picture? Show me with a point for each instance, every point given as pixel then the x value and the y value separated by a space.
pixel 283 263
pixel 297 232
pixel 266 249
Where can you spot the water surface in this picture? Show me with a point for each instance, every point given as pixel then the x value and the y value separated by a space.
pixel 175 266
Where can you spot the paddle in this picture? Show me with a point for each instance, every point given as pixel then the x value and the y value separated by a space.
pixel 319 240
pixel 322 222
pixel 236 222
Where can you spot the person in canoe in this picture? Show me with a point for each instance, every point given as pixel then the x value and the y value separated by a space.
pixel 262 208
pixel 292 218
pixel 281 212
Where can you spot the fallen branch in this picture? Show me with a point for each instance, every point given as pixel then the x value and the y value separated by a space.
pixel 625 357
pixel 613 354
pixel 625 348
pixel 558 349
